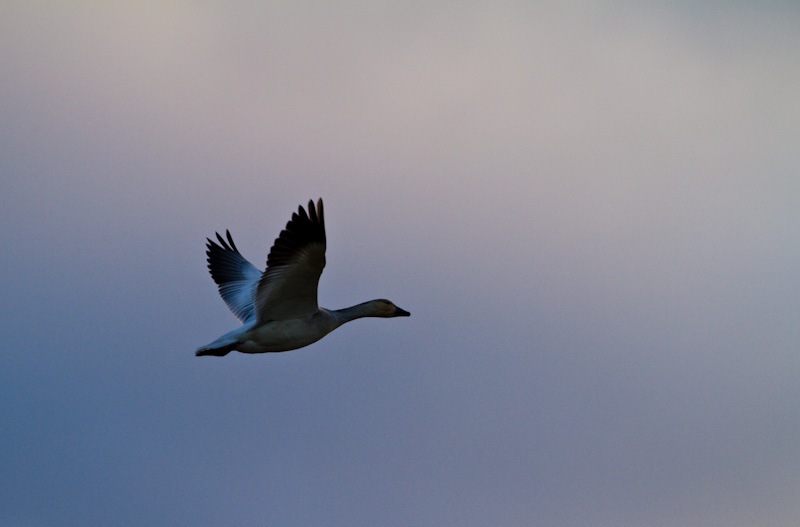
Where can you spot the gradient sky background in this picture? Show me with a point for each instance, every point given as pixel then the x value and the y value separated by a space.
pixel 592 212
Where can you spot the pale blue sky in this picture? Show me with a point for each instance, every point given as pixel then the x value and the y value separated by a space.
pixel 590 211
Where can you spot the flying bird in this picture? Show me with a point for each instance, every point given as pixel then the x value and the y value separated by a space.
pixel 278 308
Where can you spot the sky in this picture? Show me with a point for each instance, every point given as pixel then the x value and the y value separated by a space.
pixel 590 210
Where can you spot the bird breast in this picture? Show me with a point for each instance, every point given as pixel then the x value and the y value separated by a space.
pixel 285 335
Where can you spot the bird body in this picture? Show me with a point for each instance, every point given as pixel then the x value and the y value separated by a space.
pixel 278 308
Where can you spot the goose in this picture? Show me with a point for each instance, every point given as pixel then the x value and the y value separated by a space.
pixel 278 308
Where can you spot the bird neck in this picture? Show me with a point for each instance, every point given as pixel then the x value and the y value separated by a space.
pixel 351 313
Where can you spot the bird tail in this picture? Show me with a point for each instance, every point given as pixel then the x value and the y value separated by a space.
pixel 222 346
pixel 215 352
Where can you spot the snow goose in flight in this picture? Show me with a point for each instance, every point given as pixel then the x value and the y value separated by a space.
pixel 278 308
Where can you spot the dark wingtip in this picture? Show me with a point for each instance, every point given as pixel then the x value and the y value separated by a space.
pixel 302 212
pixel 312 212
pixel 223 244
pixel 230 240
pixel 305 227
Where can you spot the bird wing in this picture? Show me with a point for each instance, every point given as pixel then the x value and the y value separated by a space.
pixel 288 288
pixel 236 277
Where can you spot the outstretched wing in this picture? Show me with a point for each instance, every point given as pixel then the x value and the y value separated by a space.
pixel 236 277
pixel 288 288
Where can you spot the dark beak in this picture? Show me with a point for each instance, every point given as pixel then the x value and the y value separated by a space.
pixel 401 312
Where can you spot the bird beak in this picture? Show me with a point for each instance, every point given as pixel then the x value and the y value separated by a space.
pixel 401 312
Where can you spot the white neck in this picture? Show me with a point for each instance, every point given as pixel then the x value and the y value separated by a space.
pixel 366 309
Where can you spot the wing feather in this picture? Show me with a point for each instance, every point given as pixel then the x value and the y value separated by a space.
pixel 288 287
pixel 236 277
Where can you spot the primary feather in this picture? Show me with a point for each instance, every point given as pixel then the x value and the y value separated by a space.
pixel 236 277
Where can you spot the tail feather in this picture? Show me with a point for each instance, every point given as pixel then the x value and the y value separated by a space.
pixel 219 348
pixel 215 352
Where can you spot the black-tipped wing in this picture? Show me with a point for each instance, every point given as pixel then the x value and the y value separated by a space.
pixel 288 288
pixel 236 277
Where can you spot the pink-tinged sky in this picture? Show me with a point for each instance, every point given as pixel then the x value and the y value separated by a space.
pixel 592 213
